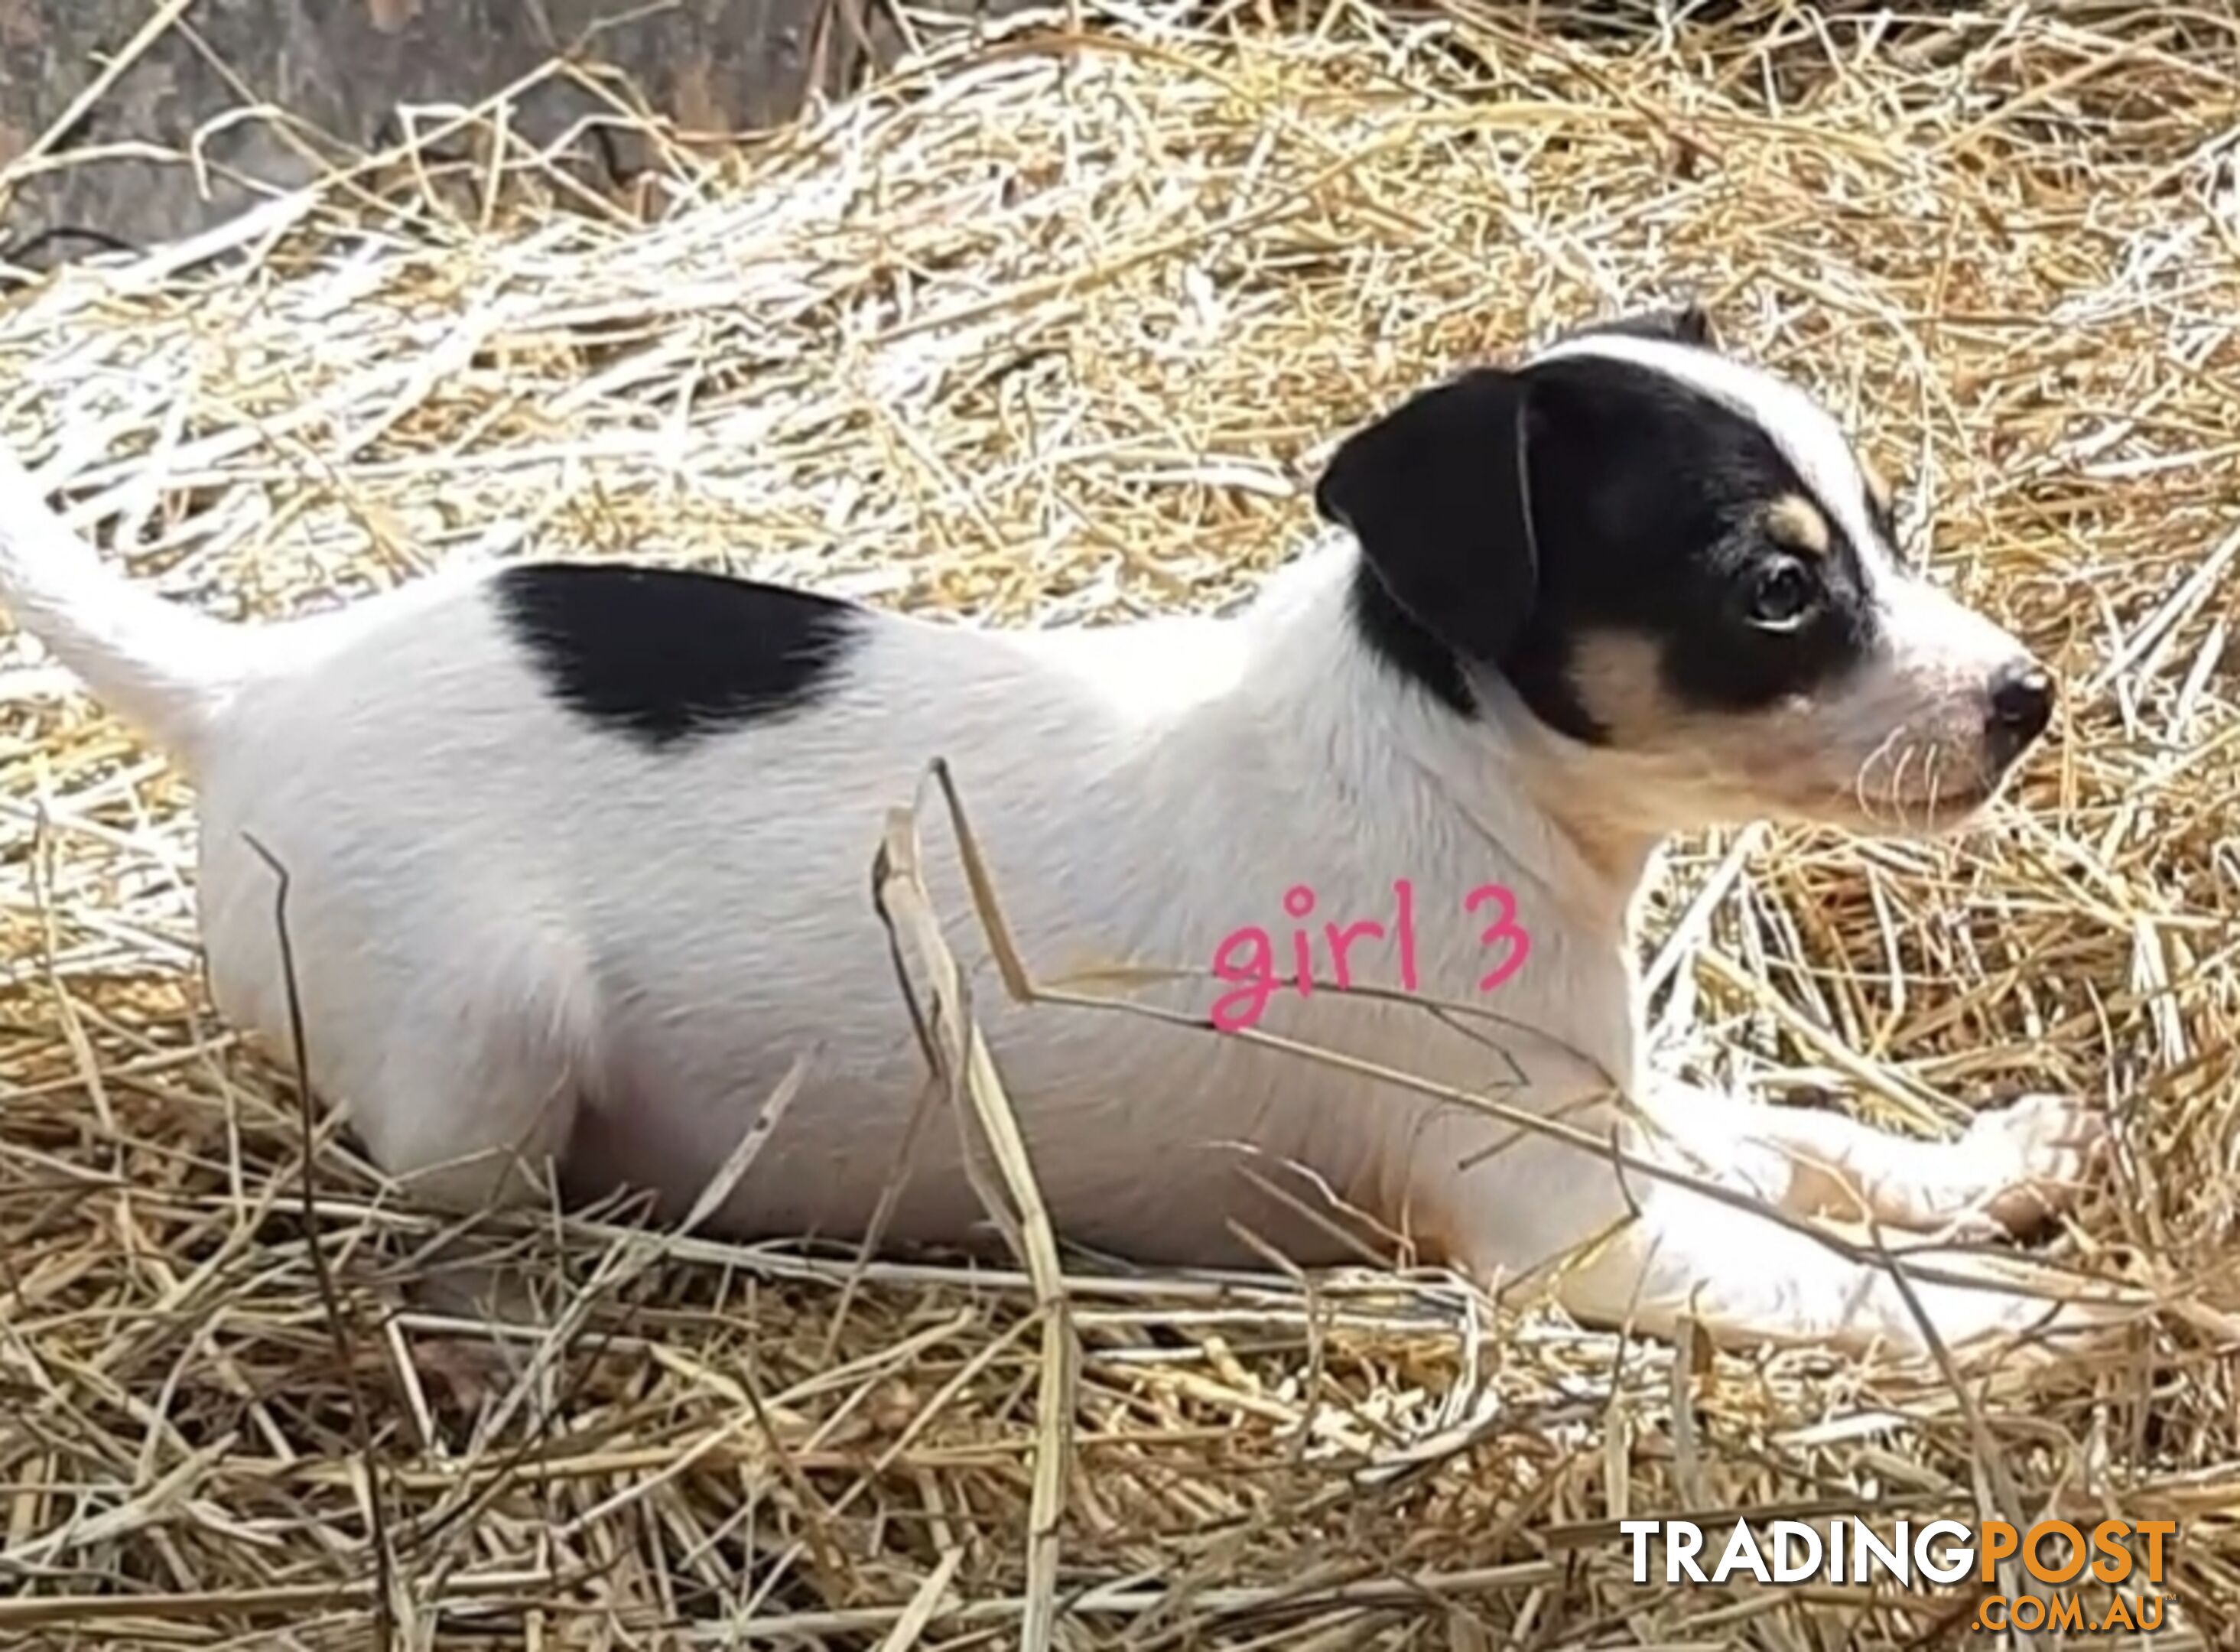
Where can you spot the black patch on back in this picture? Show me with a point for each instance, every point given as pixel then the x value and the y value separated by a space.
pixel 664 655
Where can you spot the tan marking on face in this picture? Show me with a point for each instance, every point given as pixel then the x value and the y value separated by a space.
pixel 1616 676
pixel 1795 522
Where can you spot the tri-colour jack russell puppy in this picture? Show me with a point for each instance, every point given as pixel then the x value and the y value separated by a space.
pixel 578 854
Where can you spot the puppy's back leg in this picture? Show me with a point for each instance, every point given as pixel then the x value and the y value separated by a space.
pixel 457 1034
pixel 476 1094
pixel 475 1097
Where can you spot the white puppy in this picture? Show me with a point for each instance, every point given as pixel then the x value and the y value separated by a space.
pixel 578 854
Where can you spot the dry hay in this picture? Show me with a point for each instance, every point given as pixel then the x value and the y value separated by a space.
pixel 1052 329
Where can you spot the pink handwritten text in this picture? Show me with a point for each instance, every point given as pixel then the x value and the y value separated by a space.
pixel 1247 958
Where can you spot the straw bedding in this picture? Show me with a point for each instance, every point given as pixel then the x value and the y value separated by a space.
pixel 1053 328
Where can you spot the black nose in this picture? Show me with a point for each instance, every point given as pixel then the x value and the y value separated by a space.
pixel 2021 704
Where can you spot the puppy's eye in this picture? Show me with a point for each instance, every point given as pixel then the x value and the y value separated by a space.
pixel 1783 595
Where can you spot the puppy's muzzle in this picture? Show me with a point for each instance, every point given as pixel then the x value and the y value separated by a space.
pixel 2020 705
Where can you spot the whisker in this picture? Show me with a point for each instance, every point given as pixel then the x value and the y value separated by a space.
pixel 1866 764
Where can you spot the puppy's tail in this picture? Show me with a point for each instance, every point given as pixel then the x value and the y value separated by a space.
pixel 156 664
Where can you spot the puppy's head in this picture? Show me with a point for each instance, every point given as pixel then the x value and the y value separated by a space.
pixel 1679 566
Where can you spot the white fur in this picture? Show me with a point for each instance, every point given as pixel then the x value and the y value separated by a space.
pixel 518 935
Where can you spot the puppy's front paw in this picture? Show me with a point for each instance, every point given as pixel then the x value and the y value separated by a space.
pixel 1975 1326
pixel 2028 1160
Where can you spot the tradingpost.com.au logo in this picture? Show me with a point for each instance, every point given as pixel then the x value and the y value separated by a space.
pixel 2123 1557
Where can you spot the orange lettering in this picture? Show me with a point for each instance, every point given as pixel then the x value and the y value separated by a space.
pixel 2038 1569
pixel 2154 1531
pixel 2116 1563
pixel 1999 1541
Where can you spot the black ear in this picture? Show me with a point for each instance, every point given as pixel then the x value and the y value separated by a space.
pixel 1686 323
pixel 1438 494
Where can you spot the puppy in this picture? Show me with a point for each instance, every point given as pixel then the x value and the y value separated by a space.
pixel 577 857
